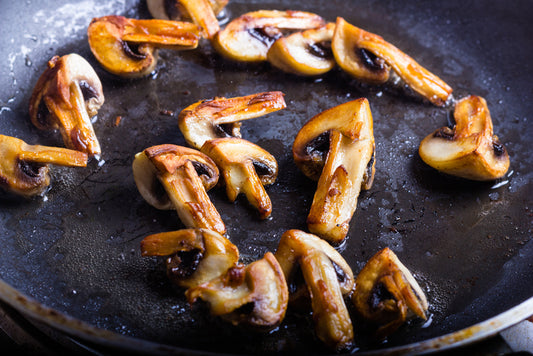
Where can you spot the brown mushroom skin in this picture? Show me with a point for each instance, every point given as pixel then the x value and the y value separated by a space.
pixel 470 150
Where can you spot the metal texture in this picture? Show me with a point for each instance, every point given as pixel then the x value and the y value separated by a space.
pixel 76 251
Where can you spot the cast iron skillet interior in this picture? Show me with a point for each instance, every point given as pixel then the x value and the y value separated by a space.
pixel 76 249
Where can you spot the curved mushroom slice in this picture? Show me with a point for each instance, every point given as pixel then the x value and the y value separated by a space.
pixel 195 256
pixel 127 47
pixel 65 97
pixel 24 168
pixel 175 177
pixel 470 150
pixel 245 167
pixel 368 57
pixel 304 53
pixel 338 144
pixel 248 37
pixel 201 12
pixel 254 295
pixel 386 293
pixel 220 117
pixel 328 279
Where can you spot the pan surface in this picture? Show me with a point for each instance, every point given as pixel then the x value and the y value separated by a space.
pixel 76 249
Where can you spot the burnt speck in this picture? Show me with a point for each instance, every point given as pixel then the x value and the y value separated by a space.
pixel 166 112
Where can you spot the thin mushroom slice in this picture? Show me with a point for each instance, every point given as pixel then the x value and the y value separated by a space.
pixel 127 47
pixel 194 256
pixel 328 279
pixel 66 96
pixel 220 117
pixel 386 294
pixel 369 58
pixel 24 168
pixel 175 177
pixel 175 10
pixel 470 149
pixel 254 295
pixel 245 167
pixel 248 37
pixel 338 146
pixel 305 53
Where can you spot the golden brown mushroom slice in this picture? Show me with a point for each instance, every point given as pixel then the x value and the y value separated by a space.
pixel 337 146
pixel 305 53
pixel 175 177
pixel 195 256
pixel 127 47
pixel 386 294
pixel 369 58
pixel 470 149
pixel 66 96
pixel 328 279
pixel 248 37
pixel 24 168
pixel 220 117
pixel 245 167
pixel 254 295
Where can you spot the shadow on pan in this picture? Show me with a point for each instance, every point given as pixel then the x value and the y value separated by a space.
pixel 76 251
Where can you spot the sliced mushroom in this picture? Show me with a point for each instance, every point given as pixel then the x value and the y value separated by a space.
pixel 201 12
pixel 255 295
pixel 248 37
pixel 338 146
pixel 175 177
pixel 470 150
pixel 369 58
pixel 328 279
pixel 24 168
pixel 245 167
pixel 127 47
pixel 304 53
pixel 65 97
pixel 220 117
pixel 386 293
pixel 195 256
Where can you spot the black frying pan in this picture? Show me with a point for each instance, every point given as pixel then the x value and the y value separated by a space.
pixel 76 251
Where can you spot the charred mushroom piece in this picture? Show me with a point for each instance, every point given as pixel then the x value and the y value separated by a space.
pixel 199 11
pixel 127 47
pixel 255 295
pixel 304 53
pixel 175 177
pixel 195 256
pixel 245 167
pixel 328 279
pixel 66 96
pixel 386 293
pixel 369 58
pixel 248 37
pixel 338 146
pixel 470 150
pixel 220 117
pixel 24 168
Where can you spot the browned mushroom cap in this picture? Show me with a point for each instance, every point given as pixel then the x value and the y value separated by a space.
pixel 368 57
pixel 24 168
pixel 338 145
pixel 248 37
pixel 254 295
pixel 66 96
pixel 196 256
pixel 126 47
pixel 304 53
pixel 220 117
pixel 386 293
pixel 470 150
pixel 175 177
pixel 328 278
pixel 245 167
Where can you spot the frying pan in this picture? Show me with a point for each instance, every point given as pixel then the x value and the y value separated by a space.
pixel 70 260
